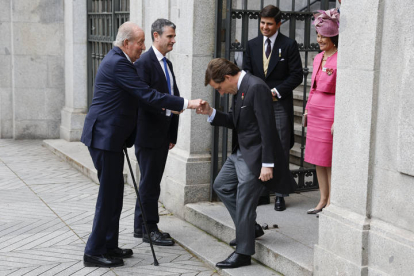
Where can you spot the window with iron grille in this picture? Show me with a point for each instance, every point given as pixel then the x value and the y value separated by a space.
pixel 104 19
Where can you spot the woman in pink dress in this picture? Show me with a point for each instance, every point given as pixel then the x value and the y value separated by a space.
pixel 321 103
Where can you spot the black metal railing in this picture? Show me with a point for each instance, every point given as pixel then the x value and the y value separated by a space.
pixel 104 19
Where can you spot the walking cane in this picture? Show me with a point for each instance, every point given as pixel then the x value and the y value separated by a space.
pixel 140 206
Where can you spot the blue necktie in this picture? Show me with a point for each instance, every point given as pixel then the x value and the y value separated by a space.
pixel 167 75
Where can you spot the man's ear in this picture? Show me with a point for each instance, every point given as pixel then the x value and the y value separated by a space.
pixel 156 35
pixel 125 43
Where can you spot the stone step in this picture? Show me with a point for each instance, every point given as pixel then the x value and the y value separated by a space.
pixel 288 249
pixel 298 97
pixel 77 155
pixel 295 156
pixel 208 248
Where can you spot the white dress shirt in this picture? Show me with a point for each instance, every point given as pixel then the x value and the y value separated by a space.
pixel 171 79
pixel 272 42
pixel 160 59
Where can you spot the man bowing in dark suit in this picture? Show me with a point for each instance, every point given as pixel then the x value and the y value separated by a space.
pixel 275 58
pixel 156 130
pixel 109 126
pixel 257 159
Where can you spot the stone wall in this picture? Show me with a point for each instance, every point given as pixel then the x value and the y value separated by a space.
pixel 32 68
pixel 368 229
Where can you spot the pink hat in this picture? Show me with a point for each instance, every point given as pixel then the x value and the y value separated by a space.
pixel 327 22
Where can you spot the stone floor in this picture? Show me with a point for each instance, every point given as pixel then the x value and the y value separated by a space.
pixel 47 209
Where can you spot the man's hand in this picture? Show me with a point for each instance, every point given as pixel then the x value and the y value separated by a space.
pixel 205 109
pixel 193 104
pixel 266 174
pixel 171 146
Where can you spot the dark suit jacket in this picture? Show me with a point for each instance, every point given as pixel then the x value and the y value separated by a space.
pixel 254 121
pixel 112 116
pixel 153 126
pixel 284 73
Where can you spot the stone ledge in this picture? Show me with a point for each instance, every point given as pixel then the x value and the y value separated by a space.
pixel 77 155
pixel 208 248
pixel 280 250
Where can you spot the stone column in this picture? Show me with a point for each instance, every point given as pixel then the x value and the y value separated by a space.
pixel 6 96
pixel 187 173
pixel 344 226
pixel 74 112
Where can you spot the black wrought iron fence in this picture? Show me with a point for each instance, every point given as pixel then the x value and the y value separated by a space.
pixel 104 19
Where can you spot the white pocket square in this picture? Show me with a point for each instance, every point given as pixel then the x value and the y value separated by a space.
pixel 243 106
pixel 282 59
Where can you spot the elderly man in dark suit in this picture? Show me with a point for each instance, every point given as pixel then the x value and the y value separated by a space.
pixel 275 58
pixel 257 158
pixel 109 126
pixel 156 130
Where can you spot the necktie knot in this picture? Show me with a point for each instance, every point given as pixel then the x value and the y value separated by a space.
pixel 268 47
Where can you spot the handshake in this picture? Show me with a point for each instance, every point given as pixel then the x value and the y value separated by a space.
pixel 201 107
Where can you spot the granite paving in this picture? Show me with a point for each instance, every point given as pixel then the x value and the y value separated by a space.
pixel 46 213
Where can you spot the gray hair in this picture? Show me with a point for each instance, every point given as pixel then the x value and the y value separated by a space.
pixel 158 26
pixel 125 31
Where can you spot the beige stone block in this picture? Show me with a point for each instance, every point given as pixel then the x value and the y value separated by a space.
pixel 5 72
pixel 38 39
pixel 42 11
pixel 30 71
pixel 5 34
pixel 5 10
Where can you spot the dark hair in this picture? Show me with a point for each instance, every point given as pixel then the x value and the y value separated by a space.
pixel 334 39
pixel 158 26
pixel 271 11
pixel 218 68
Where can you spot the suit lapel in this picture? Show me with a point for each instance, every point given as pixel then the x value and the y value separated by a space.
pixel 244 86
pixel 274 58
pixel 258 55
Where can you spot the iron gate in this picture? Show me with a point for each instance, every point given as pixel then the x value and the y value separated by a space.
pixel 236 23
pixel 104 19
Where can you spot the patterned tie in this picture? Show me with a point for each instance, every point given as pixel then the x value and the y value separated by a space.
pixel 268 48
pixel 167 75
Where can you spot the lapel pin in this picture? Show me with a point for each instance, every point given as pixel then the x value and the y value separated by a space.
pixel 242 96
pixel 280 52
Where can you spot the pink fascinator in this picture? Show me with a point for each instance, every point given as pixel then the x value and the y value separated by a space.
pixel 327 22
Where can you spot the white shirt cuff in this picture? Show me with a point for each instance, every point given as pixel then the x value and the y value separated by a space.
pixel 277 93
pixel 185 104
pixel 268 165
pixel 210 119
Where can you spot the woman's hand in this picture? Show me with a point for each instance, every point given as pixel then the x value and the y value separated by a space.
pixel 332 129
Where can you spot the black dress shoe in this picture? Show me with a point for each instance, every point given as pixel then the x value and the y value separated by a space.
pixel 263 200
pixel 235 260
pixel 119 253
pixel 101 261
pixel 158 239
pixel 138 234
pixel 258 232
pixel 280 204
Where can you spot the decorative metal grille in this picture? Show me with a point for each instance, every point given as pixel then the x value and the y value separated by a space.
pixel 104 19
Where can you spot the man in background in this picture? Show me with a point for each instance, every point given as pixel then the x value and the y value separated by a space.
pixel 156 130
pixel 275 58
